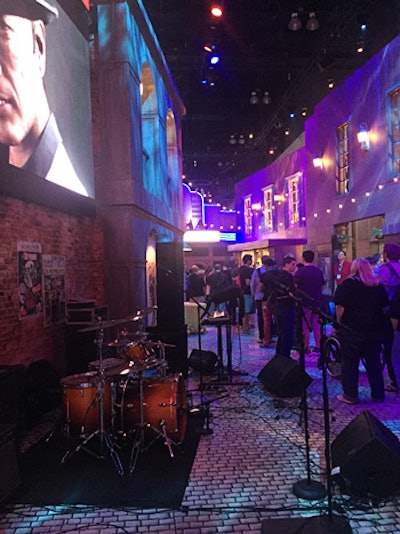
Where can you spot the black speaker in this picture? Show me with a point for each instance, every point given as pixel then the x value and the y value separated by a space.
pixel 170 286
pixel 12 395
pixel 176 349
pixel 366 455
pixel 284 377
pixel 203 360
pixel 10 477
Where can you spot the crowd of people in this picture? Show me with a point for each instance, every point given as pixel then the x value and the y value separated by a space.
pixel 286 302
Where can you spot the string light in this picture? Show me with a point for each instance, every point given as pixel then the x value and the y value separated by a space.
pixel 354 200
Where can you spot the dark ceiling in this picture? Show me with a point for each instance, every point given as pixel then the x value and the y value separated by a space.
pixel 258 53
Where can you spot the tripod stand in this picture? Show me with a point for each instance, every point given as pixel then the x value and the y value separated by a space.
pixel 105 440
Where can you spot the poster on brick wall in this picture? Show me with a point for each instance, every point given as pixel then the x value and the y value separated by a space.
pixel 29 279
pixel 54 288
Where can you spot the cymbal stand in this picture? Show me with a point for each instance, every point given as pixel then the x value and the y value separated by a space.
pixel 139 443
pixel 105 439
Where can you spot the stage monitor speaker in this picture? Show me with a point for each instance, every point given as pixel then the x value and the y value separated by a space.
pixel 203 361
pixel 366 455
pixel 284 377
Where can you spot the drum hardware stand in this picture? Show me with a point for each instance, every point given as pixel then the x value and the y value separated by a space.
pixel 138 445
pixel 105 439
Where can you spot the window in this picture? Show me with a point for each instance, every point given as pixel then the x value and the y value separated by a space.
pixel 268 209
pixel 342 159
pixel 293 201
pixel 394 132
pixel 247 216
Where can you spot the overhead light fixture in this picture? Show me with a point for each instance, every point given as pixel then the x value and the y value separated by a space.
pixel 363 137
pixel 304 112
pixel 331 83
pixel 360 47
pixel 232 140
pixel 294 22
pixel 216 11
pixel 312 22
pixel 287 131
pixel 214 59
pixel 266 99
pixel 254 98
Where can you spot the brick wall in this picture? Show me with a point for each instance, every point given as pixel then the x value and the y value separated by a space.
pixel 79 240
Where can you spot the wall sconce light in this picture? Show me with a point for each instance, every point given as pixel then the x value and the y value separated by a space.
pixel 363 137
pixel 318 163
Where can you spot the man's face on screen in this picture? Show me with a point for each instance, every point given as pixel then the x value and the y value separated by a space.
pixel 22 65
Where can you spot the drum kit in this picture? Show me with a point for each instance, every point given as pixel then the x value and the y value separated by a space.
pixel 129 397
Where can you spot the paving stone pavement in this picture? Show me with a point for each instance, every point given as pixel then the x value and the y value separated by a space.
pixel 245 469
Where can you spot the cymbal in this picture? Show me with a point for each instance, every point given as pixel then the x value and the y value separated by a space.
pixel 116 322
pixel 142 313
pixel 117 343
pixel 103 324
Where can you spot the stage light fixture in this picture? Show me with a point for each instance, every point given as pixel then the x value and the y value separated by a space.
pixel 331 83
pixel 294 22
pixel 304 112
pixel 254 98
pixel 266 99
pixel 216 11
pixel 312 22
pixel 214 59
pixel 360 47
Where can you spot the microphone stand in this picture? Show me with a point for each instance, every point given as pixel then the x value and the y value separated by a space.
pixel 306 488
pixel 203 406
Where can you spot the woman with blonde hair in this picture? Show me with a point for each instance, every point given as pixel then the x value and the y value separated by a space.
pixel 360 301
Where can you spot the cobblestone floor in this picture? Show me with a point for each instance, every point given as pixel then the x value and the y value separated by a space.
pixel 245 469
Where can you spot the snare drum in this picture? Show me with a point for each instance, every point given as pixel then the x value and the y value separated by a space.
pixel 81 404
pixel 163 400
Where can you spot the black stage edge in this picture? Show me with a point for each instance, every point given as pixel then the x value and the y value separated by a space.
pixel 321 524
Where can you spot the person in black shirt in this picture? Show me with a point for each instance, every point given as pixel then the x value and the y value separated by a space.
pixel 360 301
pixel 286 307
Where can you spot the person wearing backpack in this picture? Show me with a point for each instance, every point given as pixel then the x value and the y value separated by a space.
pixel 389 275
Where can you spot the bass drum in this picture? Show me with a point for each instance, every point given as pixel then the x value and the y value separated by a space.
pixel 81 404
pixel 163 400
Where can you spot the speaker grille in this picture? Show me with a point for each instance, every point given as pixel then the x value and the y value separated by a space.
pixel 368 455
